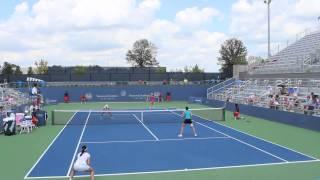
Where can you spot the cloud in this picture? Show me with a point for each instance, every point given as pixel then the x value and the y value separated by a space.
pixel 70 32
pixel 288 19
pixel 195 16
pixel 307 8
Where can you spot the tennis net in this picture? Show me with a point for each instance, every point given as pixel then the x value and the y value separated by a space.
pixel 93 117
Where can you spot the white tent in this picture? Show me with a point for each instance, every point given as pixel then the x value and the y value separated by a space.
pixel 31 79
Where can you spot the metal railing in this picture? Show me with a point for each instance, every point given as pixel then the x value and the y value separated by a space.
pixel 218 87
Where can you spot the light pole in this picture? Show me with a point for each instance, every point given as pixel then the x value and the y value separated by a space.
pixel 268 2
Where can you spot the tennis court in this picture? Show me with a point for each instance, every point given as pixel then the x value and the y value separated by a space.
pixel 144 141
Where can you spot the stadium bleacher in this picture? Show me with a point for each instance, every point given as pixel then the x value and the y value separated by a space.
pixel 276 83
pixel 11 98
pixel 301 56
pixel 289 94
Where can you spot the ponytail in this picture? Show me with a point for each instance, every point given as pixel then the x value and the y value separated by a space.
pixel 84 149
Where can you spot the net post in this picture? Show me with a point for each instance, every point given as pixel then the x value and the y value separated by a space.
pixel 223 114
pixel 52 117
pixel 141 116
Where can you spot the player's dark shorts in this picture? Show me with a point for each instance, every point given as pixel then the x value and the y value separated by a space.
pixel 187 121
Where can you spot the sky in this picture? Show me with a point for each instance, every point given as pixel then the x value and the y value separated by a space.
pixel 186 32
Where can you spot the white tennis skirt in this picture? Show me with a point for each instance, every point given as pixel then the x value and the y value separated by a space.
pixel 81 167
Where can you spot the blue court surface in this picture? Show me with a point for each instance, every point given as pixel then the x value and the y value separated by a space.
pixel 130 145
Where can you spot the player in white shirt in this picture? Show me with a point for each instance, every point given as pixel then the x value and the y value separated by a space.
pixel 34 90
pixel 82 163
pixel 106 109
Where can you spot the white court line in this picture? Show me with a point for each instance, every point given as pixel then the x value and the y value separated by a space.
pixel 171 171
pixel 180 170
pixel 158 113
pixel 250 145
pixel 45 151
pixel 75 152
pixel 259 138
pixel 146 127
pixel 102 114
pixel 148 140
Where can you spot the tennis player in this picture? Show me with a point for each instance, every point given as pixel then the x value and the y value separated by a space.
pixel 82 163
pixel 152 100
pixel 187 120
pixel 236 113
pixel 106 109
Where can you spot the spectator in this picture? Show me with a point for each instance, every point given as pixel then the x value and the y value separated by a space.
pixel 271 101
pixel 34 90
pixel 276 101
pixel 309 105
pixel 286 103
pixel 11 100
pixel 38 101
pixel 314 99
pixel 291 103
pixel 269 90
pixel 164 82
pixel 66 97
pixel 317 101
pixel 283 91
pixel 296 102
pixel 160 97
pixel 312 104
pixel 2 116
pixel 168 96
pixel 83 99
pixel 34 117
pixel 252 99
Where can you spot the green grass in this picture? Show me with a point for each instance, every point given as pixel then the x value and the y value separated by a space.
pixel 20 152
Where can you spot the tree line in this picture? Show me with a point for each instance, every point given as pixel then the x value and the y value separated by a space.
pixel 41 67
pixel 144 54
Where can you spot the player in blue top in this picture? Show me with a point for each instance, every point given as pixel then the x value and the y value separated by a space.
pixel 187 120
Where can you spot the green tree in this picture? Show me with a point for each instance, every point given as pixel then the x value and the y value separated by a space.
pixel 143 54
pixel 232 52
pixel 186 69
pixel 196 69
pixel 80 70
pixel 162 69
pixel 7 68
pixel 41 67
pixel 30 71
pixel 18 70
